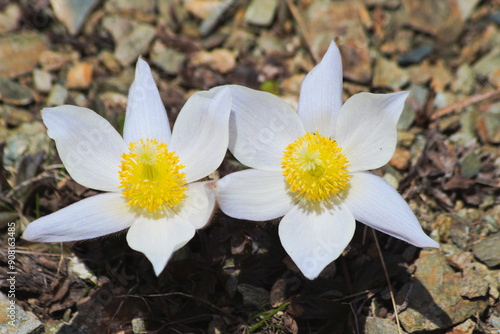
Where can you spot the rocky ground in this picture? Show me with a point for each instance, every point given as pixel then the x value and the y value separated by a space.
pixel 234 276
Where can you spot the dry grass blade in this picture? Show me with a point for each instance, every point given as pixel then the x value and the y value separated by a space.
pixel 388 281
pixel 463 103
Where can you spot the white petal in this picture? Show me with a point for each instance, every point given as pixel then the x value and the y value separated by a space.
pixel 254 194
pixel 321 94
pixel 313 240
pixel 261 126
pixel 198 205
pixel 89 218
pixel 201 132
pixel 377 204
pixel 159 238
pixel 366 129
pixel 89 147
pixel 146 117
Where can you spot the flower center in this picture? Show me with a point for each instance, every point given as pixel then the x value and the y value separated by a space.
pixel 150 176
pixel 314 167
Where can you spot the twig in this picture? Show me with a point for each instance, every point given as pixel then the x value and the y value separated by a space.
pixel 388 281
pixel 303 27
pixel 464 103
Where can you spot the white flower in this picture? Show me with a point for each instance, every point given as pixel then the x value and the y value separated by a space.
pixel 148 175
pixel 310 166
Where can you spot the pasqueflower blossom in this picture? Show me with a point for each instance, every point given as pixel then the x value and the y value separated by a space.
pixel 311 166
pixel 148 175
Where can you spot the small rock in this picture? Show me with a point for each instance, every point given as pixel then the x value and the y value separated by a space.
pixel 138 326
pixel 473 284
pixel 460 260
pixel 325 21
pixel 19 53
pixel 57 96
pixel 14 116
pixel 492 123
pixel 72 13
pixel 9 18
pixel 253 296
pixel 261 12
pixel 466 327
pixel 467 7
pixel 388 74
pixel 143 10
pixel 470 164
pixel 27 138
pixel 214 17
pixel 464 80
pixel 24 322
pixel 443 20
pixel 130 47
pixel 433 302
pixel 79 76
pixel 488 250
pixel 14 93
pixel 277 295
pixel 79 269
pixel 414 103
pixel 168 59
pixel 51 60
pixel 42 80
pixel 441 76
pixel 487 66
pixel 415 56
pixel 220 60
pixel 401 158
pixel 118 26
pixel 109 61
pixel 202 8
pixel 375 325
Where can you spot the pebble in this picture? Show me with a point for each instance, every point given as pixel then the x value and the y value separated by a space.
pixel 168 59
pixel 14 116
pixel 473 284
pixel 19 53
pixel 201 8
pixel 467 327
pixel 325 22
pixel 79 76
pixel 492 123
pixel 253 296
pixel 143 10
pixel 131 46
pixel 52 60
pixel 466 7
pixel 401 158
pixel 470 164
pixel 42 80
pixel 464 80
pixel 27 138
pixel 487 66
pixel 72 13
pixel 9 18
pixel 214 18
pixel 24 322
pixel 118 26
pixel 57 95
pixel 443 20
pixel 488 250
pixel 376 325
pixel 433 302
pixel 415 56
pixel 389 75
pixel 261 12
pixel 414 103
pixel 221 60
pixel 14 93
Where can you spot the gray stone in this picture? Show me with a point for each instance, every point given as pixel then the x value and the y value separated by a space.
pixel 22 321
pixel 433 302
pixel 215 17
pixel 473 284
pixel 488 250
pixel 130 47
pixel 134 7
pixel 326 21
pixel 253 296
pixel 414 103
pixel 19 53
pixel 415 56
pixel 72 13
pixel 388 74
pixel 57 95
pixel 464 82
pixel 374 325
pixel 42 80
pixel 467 7
pixel 261 12
pixel 492 123
pixel 28 138
pixel 14 116
pixel 470 164
pixel 118 26
pixel 487 66
pixel 168 59
pixel 14 93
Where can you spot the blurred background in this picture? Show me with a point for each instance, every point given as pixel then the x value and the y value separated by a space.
pixel 234 276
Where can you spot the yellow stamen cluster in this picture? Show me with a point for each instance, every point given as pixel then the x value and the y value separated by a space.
pixel 150 177
pixel 314 167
